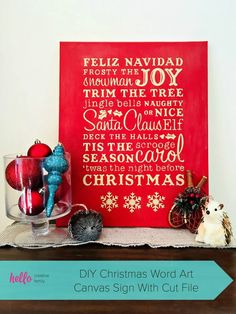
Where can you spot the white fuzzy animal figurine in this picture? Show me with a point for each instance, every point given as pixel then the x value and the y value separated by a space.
pixel 215 228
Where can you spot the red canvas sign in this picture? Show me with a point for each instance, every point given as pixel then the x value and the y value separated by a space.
pixel 134 118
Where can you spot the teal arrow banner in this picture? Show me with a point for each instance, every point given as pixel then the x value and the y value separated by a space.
pixel 111 280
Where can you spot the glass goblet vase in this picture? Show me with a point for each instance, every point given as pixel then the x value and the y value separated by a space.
pixel 26 195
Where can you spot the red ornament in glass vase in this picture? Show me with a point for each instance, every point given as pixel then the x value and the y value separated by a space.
pixel 39 150
pixel 31 203
pixel 24 172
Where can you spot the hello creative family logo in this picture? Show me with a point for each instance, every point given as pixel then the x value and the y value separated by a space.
pixel 21 278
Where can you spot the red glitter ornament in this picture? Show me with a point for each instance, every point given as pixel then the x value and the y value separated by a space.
pixel 24 172
pixel 39 149
pixel 31 203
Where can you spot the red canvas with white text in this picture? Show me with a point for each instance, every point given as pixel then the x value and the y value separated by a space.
pixel 134 118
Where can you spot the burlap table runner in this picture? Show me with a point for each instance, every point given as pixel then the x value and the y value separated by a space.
pixel 125 237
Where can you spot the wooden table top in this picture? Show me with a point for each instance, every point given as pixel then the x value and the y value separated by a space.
pixel 225 303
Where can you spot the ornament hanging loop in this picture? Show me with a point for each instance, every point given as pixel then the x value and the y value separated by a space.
pixel 83 206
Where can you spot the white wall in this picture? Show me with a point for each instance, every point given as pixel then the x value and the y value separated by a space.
pixel 30 31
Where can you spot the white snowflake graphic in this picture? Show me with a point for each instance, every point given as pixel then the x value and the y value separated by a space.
pixel 132 202
pixel 155 201
pixel 109 201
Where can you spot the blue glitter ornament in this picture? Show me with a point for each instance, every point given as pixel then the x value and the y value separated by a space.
pixel 56 165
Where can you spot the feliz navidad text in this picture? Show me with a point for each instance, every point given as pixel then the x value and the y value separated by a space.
pixel 163 73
